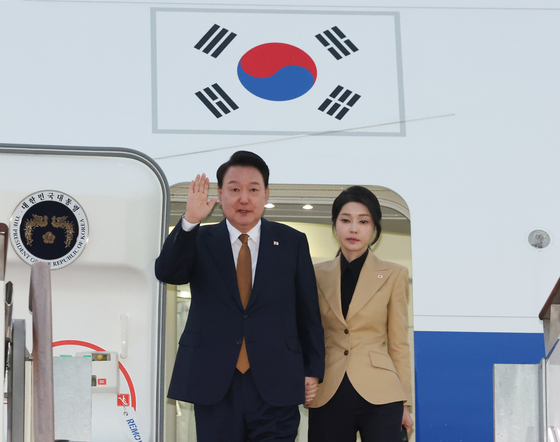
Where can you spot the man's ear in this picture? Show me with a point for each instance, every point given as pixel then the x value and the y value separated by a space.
pixel 266 192
pixel 219 196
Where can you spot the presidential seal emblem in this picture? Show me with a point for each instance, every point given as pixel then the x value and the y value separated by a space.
pixel 49 226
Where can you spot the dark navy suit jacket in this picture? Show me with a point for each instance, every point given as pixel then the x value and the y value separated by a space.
pixel 281 325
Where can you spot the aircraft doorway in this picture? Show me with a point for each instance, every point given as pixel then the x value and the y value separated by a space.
pixel 308 209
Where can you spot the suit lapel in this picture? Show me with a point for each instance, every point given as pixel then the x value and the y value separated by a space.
pixel 330 287
pixel 220 250
pixel 373 275
pixel 269 250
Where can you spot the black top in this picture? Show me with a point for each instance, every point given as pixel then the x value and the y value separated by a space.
pixel 349 274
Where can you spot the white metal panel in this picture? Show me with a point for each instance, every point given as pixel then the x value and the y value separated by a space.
pixel 477 166
pixel 125 199
pixel 517 403
pixel 553 388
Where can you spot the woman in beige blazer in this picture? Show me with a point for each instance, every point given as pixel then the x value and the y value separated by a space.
pixel 363 301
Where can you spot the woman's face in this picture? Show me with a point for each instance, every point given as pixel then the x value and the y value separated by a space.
pixel 354 229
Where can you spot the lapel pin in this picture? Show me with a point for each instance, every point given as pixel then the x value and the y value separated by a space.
pixel 380 276
pixel 275 243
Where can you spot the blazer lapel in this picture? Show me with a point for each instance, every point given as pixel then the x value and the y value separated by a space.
pixel 269 250
pixel 220 250
pixel 373 275
pixel 330 287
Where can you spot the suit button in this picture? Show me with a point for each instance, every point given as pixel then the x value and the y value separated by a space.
pixel 346 330
pixel 245 316
pixel 345 352
pixel 239 342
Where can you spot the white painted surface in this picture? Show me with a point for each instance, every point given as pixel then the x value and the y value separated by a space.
pixel 113 276
pixel 477 166
pixel 517 414
pixel 552 388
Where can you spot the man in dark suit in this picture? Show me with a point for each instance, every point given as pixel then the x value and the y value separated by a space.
pixel 253 346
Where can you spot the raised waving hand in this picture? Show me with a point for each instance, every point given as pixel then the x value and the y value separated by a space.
pixel 198 205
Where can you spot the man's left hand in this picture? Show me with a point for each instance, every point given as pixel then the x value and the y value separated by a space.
pixel 311 388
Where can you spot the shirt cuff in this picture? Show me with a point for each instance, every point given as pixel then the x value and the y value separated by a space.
pixel 187 227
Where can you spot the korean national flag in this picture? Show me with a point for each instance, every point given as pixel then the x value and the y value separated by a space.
pixel 271 72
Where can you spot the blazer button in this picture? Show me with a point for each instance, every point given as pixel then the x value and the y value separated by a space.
pixel 345 352
pixel 346 330
pixel 239 342
pixel 245 316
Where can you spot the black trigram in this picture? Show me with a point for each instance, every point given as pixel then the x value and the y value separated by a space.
pixel 223 37
pixel 339 99
pixel 216 100
pixel 336 42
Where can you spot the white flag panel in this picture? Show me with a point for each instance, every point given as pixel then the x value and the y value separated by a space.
pixel 196 52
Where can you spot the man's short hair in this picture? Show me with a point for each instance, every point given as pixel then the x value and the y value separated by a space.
pixel 244 158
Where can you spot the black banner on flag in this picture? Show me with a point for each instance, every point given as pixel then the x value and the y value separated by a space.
pixel 339 102
pixel 336 43
pixel 216 100
pixel 211 39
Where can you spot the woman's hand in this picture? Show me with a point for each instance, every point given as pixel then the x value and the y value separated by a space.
pixel 311 388
pixel 407 420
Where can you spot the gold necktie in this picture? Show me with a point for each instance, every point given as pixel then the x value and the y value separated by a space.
pixel 244 282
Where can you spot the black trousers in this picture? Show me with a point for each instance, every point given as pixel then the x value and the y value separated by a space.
pixel 243 416
pixel 348 413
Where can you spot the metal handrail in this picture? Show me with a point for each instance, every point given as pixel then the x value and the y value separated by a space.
pixel 16 393
pixel 553 298
pixel 43 390
pixel 550 315
pixel 3 259
pixel 3 250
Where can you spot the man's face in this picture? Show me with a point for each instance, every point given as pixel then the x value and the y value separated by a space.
pixel 243 196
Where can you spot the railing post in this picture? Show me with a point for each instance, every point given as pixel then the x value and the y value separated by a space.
pixel 3 250
pixel 3 258
pixel 550 315
pixel 43 392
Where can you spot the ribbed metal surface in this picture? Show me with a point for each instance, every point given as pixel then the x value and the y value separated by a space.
pixel 517 415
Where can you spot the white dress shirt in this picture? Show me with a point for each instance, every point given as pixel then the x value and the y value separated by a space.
pixel 253 242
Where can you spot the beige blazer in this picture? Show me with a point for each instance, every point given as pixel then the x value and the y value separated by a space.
pixel 371 344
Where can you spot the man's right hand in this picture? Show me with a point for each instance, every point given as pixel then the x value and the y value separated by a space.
pixel 198 206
